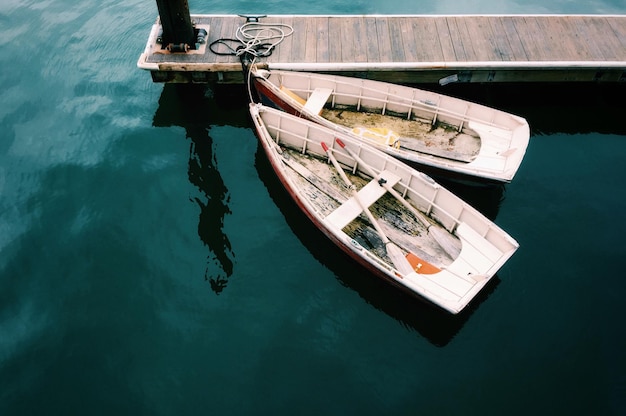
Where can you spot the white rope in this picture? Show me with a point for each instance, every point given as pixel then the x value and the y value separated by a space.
pixel 249 80
pixel 260 38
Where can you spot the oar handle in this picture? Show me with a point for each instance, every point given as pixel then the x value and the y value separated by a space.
pixel 337 167
pixel 340 143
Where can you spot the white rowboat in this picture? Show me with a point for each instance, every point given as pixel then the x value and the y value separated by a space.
pixel 394 221
pixel 435 133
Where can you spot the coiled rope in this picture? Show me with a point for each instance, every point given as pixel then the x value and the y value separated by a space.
pixel 254 39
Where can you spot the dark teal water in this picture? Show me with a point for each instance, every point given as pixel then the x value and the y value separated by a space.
pixel 150 263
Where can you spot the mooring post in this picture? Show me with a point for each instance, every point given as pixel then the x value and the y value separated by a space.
pixel 178 30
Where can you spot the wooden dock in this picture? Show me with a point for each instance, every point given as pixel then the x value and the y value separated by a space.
pixel 413 49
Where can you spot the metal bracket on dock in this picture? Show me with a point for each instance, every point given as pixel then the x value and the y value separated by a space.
pixel 461 76
pixel 253 17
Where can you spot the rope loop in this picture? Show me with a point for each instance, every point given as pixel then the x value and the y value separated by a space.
pixel 253 39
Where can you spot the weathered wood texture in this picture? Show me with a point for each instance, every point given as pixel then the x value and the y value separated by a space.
pixel 419 48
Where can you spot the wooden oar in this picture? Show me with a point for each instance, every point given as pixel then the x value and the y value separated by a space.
pixel 448 243
pixel 395 254
pixel 420 264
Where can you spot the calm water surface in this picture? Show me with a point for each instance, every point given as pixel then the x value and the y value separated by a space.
pixel 150 263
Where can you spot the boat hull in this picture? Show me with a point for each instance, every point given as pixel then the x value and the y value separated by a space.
pixel 492 165
pixel 450 287
pixel 270 98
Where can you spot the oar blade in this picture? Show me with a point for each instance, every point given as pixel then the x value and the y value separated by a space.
pixel 398 259
pixel 449 244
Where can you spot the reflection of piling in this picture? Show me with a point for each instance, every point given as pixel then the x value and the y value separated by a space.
pixel 175 19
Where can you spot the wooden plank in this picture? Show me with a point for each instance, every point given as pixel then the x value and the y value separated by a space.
pixel 310 50
pixel 229 31
pixel 219 67
pixel 395 37
pixel 470 44
pixel 577 38
pixel 216 26
pixel 579 24
pixel 408 39
pixel 285 47
pixel 384 39
pixel 299 41
pixel 602 39
pixel 479 30
pixel 347 40
pixel 321 25
pixel 334 36
pixel 502 46
pixel 445 39
pixel 571 45
pixel 530 44
pixel 425 40
pixel 540 40
pixel 371 39
pixel 517 51
pixel 214 31
pixel 563 42
pixel 359 34
pixel 545 31
pixel 618 25
pixel 457 43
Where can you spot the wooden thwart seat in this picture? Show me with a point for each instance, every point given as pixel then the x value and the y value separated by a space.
pixel 369 194
pixel 317 99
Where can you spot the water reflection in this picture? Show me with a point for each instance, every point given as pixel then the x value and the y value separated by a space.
pixel 190 106
pixel 436 325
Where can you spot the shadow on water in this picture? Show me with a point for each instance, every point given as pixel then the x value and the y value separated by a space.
pixel 436 325
pixel 551 108
pixel 571 108
pixel 193 108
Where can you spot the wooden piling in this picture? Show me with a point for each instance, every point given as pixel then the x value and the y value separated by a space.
pixel 176 22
